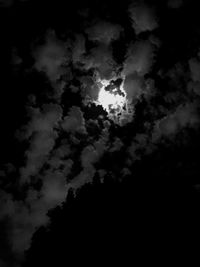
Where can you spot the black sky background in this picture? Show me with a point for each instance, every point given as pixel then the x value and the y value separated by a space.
pixel 150 213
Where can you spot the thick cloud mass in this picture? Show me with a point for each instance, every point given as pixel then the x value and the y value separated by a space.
pixel 43 136
pixel 139 58
pixel 74 122
pixel 143 17
pixel 59 138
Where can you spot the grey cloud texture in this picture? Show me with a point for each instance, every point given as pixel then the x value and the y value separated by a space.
pixel 116 146
pixel 104 32
pixel 139 58
pixel 137 147
pixel 133 85
pixel 194 65
pixel 74 121
pixel 43 136
pixel 90 155
pixel 78 50
pixel 25 217
pixel 139 61
pixel 185 115
pixel 101 59
pixel 54 140
pixel 194 68
pixel 51 57
pixel 142 17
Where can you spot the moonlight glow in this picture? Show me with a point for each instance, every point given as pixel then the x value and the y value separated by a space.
pixel 113 100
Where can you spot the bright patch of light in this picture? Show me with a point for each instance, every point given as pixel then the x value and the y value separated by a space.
pixel 114 101
pixel 111 100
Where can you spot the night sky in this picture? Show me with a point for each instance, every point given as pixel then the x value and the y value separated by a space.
pixel 99 139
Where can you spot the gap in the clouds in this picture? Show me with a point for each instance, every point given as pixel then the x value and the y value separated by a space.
pixel 127 132
pixel 173 165
pixel 70 99
pixel 36 84
pixel 93 112
pixel 176 46
pixel 13 116
pixel 94 128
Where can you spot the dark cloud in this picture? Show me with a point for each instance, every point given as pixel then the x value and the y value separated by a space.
pixel 25 216
pixel 101 59
pixel 117 145
pixel 90 155
pixel 134 85
pixel 74 121
pixel 139 143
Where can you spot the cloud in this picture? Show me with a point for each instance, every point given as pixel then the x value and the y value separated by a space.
pixel 74 121
pixel 104 32
pixel 101 59
pixel 79 49
pixel 194 84
pixel 54 188
pixel 16 215
pixel 142 17
pixel 89 156
pixel 116 145
pixel 194 87
pixel 180 118
pixel 137 147
pixel 139 58
pixel 194 65
pixel 24 217
pixel 51 57
pixel 92 153
pixel 59 156
pixel 42 137
pixel 133 85
pixel 185 115
pixel 84 177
